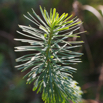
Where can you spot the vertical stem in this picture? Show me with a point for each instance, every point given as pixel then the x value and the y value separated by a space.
pixel 49 44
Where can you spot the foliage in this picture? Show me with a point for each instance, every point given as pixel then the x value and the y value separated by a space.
pixel 51 61
pixel 11 14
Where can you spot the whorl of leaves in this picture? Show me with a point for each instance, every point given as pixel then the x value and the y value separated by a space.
pixel 49 65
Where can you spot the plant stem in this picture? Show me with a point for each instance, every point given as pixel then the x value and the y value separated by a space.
pixel 49 44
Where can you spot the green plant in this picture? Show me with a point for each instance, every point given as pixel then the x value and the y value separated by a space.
pixel 50 64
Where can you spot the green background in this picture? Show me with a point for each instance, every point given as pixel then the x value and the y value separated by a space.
pixel 13 88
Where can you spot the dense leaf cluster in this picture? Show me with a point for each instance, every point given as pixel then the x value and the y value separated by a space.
pixel 50 64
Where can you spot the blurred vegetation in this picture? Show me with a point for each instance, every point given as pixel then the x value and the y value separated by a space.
pixel 13 89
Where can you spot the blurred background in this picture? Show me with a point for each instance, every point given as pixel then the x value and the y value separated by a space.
pixel 13 88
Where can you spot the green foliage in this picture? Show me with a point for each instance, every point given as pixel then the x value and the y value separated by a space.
pixel 50 64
